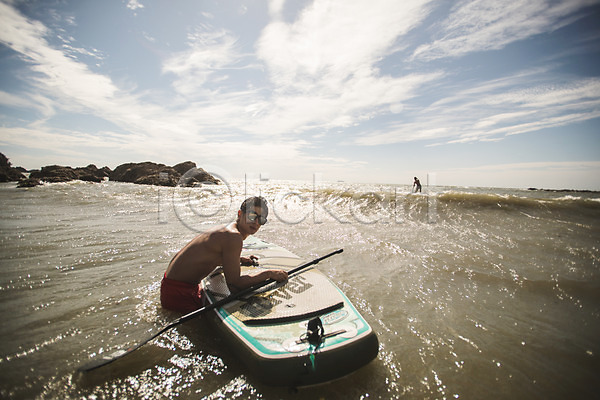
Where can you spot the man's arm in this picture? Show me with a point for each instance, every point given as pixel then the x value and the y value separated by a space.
pixel 232 248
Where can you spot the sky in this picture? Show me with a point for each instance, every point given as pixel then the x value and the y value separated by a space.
pixel 487 93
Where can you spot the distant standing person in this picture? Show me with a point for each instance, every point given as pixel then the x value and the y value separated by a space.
pixel 417 183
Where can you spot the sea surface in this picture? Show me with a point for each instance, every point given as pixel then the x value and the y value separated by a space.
pixel 474 293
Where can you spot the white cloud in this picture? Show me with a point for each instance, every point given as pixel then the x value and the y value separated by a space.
pixel 482 25
pixel 522 103
pixel 68 84
pixel 275 8
pixel 209 55
pixel 55 71
pixel 323 66
pixel 17 32
pixel 134 5
pixel 323 70
pixel 333 41
pixel 533 106
pixel 33 102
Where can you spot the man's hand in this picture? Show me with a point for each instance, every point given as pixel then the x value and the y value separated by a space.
pixel 249 261
pixel 279 275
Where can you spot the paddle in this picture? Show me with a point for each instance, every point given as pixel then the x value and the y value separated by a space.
pixel 109 358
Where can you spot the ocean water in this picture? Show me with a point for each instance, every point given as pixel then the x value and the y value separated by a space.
pixel 473 292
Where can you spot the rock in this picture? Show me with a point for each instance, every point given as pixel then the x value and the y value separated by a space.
pixel 54 173
pixel 149 173
pixel 4 161
pixel 91 173
pixel 193 176
pixel 197 176
pixel 184 167
pixel 29 182
pixel 145 173
pixel 10 175
pixel 58 173
pixel 7 172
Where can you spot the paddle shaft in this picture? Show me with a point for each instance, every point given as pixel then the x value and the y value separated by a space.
pixel 122 353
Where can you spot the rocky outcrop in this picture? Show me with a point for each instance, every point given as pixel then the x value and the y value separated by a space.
pixel 8 173
pixel 58 173
pixel 184 167
pixel 91 173
pixel 54 174
pixel 145 173
pixel 195 176
pixel 149 173
pixel 25 183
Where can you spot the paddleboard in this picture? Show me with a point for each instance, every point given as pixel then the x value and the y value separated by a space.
pixel 303 332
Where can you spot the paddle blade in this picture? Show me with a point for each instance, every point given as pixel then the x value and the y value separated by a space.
pixel 108 358
pixel 100 362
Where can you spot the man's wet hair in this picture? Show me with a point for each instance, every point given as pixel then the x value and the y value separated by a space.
pixel 255 201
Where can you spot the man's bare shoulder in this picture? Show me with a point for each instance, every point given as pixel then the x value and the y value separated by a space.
pixel 226 234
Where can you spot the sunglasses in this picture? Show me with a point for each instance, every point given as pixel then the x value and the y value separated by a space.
pixel 252 217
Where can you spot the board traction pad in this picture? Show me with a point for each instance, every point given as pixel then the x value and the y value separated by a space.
pixel 306 294
pixel 303 295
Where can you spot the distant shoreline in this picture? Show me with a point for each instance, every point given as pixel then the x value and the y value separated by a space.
pixel 564 190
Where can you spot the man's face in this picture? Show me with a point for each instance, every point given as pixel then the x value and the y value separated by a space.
pixel 254 219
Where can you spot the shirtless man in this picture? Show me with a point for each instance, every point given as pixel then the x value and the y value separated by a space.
pixel 180 288
pixel 417 183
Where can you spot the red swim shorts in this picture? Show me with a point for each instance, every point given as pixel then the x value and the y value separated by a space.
pixel 180 296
